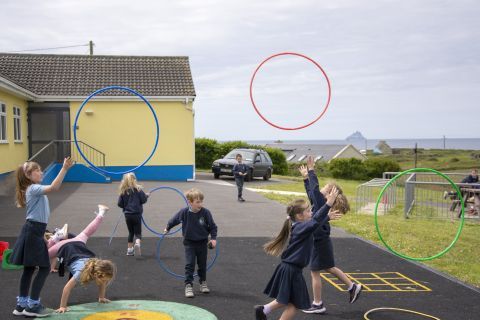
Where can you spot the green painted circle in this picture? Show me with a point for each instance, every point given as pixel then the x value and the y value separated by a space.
pixel 462 221
pixel 177 311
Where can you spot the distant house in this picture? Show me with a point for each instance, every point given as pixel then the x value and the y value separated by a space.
pixel 382 148
pixel 116 128
pixel 324 152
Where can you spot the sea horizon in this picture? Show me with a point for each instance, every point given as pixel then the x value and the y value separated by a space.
pixel 369 144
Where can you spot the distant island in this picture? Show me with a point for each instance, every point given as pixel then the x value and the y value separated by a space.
pixel 357 135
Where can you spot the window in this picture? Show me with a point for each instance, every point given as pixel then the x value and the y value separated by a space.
pixel 3 123
pixel 301 158
pixel 17 124
pixel 290 157
pixel 318 158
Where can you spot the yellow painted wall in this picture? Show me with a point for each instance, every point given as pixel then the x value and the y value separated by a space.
pixel 13 153
pixel 125 131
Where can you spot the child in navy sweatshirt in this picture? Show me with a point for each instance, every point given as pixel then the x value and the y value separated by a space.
pixel 287 286
pixel 197 224
pixel 131 201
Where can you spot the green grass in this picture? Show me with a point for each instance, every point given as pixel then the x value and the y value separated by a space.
pixel 414 237
pixel 442 160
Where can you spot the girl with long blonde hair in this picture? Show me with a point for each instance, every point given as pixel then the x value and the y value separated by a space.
pixel 131 201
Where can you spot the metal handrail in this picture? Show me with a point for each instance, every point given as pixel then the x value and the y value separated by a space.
pixel 94 153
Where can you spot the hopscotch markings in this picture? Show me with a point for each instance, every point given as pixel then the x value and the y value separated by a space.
pixel 378 282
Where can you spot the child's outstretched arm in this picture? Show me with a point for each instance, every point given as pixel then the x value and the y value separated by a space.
pixel 102 289
pixel 67 164
pixel 314 187
pixel 175 220
pixel 65 295
pixel 304 172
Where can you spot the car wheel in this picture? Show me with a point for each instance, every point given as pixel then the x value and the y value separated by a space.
pixel 249 176
pixel 216 175
pixel 267 175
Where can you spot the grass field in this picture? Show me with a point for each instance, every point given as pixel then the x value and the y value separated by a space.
pixel 415 237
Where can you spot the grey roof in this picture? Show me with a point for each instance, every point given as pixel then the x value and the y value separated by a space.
pixel 327 151
pixel 80 75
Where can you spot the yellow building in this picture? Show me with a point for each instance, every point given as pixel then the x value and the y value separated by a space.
pixel 116 130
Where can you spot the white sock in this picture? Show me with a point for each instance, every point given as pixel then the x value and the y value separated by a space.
pixel 317 304
pixel 266 309
pixel 351 286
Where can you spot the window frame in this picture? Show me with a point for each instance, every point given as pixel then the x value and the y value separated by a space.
pixel 17 125
pixel 4 115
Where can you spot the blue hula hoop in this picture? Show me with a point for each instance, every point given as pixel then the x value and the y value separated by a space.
pixel 176 275
pixel 161 234
pixel 76 121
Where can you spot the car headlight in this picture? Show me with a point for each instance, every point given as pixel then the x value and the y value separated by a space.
pixel 216 164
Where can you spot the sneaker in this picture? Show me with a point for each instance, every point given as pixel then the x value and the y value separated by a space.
pixel 130 252
pixel 189 291
pixel 204 287
pixel 102 209
pixel 61 234
pixel 241 199
pixel 259 314
pixel 137 249
pixel 37 310
pixel 18 311
pixel 355 292
pixel 316 308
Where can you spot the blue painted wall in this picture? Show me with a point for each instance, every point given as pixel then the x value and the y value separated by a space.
pixel 81 173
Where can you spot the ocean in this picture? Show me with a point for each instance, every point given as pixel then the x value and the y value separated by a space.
pixel 369 144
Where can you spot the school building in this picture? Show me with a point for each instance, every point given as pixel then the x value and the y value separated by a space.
pixel 40 95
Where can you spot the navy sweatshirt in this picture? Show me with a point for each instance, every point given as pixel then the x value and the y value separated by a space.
pixel 132 201
pixel 237 168
pixel 317 200
pixel 196 226
pixel 470 179
pixel 300 245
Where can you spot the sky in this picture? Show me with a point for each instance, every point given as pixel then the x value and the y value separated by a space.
pixel 397 69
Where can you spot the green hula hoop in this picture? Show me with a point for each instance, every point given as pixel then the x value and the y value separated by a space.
pixel 460 227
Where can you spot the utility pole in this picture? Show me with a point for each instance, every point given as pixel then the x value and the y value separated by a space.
pixel 443 142
pixel 90 44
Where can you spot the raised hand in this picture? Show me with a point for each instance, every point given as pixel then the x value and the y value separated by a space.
pixel 332 196
pixel 310 163
pixel 68 163
pixel 334 214
pixel 303 171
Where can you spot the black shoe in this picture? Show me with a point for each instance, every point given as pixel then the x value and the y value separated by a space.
pixel 18 311
pixel 241 199
pixel 355 292
pixel 259 315
pixel 38 311
pixel 318 309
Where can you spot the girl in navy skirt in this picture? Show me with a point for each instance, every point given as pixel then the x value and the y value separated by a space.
pixel 322 255
pixel 30 249
pixel 287 285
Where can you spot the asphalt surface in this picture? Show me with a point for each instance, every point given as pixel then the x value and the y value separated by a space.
pixel 242 270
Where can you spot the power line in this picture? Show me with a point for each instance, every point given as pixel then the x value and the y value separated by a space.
pixel 75 46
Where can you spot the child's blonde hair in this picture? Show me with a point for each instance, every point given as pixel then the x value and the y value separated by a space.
pixel 341 202
pixel 22 174
pixel 194 194
pixel 97 269
pixel 129 182
pixel 275 247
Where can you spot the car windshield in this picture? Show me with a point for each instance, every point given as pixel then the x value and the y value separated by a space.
pixel 246 155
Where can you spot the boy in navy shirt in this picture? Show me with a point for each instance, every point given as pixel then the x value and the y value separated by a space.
pixel 239 171
pixel 197 223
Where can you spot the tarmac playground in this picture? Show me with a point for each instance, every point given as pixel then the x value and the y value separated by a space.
pixel 142 290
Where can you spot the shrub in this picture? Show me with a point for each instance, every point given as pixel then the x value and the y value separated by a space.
pixel 375 167
pixel 205 152
pixel 351 168
pixel 280 165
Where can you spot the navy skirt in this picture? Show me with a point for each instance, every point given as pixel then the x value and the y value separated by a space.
pixel 30 250
pixel 287 285
pixel 322 255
